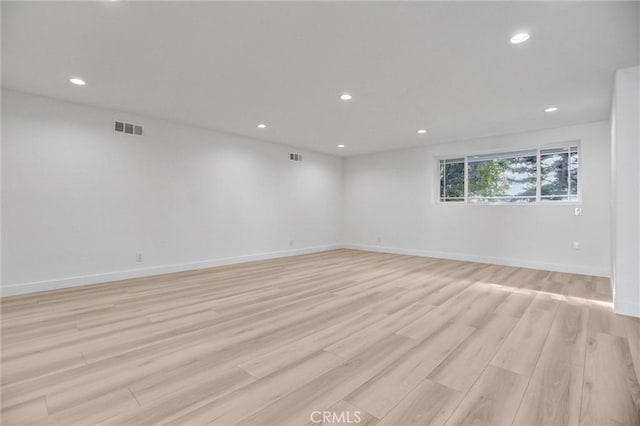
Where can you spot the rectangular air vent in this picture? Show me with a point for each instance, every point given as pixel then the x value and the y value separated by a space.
pixel 128 128
pixel 295 157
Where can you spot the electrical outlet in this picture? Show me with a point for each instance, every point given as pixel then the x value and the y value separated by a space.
pixel 138 257
pixel 576 245
pixel 577 211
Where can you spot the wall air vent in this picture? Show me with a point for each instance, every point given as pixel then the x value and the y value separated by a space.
pixel 128 128
pixel 295 157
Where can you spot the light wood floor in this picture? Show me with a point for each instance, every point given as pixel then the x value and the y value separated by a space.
pixel 400 340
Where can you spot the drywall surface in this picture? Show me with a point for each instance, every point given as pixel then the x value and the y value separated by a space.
pixel 391 205
pixel 625 187
pixel 80 202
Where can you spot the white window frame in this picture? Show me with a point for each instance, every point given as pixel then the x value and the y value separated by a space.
pixel 463 200
pixel 538 201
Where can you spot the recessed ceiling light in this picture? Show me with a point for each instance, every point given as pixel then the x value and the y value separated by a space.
pixel 520 38
pixel 346 97
pixel 422 131
pixel 262 126
pixel 77 81
pixel 551 109
pixel 340 146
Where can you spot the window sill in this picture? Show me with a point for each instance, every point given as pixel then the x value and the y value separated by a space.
pixel 536 203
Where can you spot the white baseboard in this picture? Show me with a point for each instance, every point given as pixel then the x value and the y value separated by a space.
pixel 32 287
pixel 626 308
pixel 519 263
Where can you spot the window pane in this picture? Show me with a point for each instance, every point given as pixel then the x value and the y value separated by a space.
pixel 559 174
pixel 573 173
pixel 452 180
pixel 509 177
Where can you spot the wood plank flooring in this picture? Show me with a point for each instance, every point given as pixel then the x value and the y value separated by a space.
pixel 326 338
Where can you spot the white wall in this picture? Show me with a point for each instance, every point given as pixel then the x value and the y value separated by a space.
pixel 625 183
pixel 79 201
pixel 391 196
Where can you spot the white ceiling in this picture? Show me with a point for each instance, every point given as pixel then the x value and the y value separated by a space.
pixel 447 67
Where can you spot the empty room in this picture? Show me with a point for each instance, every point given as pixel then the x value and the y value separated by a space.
pixel 320 213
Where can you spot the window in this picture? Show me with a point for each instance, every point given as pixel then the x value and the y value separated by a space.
pixel 452 180
pixel 559 174
pixel 511 177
